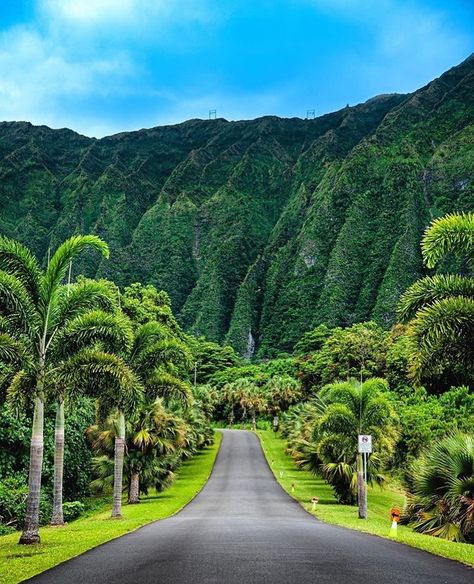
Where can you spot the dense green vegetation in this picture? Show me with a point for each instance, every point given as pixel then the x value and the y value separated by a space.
pixel 95 528
pixel 342 382
pixel 258 230
pixel 303 485
pixel 134 395
pixel 115 365
pixel 304 303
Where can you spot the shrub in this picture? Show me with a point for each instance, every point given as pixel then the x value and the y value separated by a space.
pixel 13 495
pixel 442 487
pixel 72 510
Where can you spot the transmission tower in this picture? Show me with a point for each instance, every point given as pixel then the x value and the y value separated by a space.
pixel 212 114
pixel 310 114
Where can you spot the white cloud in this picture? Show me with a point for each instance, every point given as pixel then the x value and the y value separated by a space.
pixel 147 15
pixel 36 74
pixel 89 11
pixel 84 50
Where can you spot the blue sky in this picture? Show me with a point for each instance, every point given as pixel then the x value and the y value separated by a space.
pixel 104 66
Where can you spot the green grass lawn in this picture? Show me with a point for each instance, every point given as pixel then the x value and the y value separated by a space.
pixel 379 504
pixel 58 544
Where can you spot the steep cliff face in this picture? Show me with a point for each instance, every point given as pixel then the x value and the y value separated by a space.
pixel 258 229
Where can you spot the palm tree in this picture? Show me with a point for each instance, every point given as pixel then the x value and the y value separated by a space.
pixel 37 307
pixel 440 308
pixel 248 396
pixel 442 487
pixel 92 330
pixel 152 434
pixel 156 360
pixel 282 391
pixel 118 389
pixel 345 410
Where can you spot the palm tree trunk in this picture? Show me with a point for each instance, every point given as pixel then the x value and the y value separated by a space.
pixel 58 517
pixel 361 489
pixel 254 422
pixel 118 467
pixel 30 532
pixel 134 492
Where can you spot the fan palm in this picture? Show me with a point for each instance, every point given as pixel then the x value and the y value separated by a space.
pixel 152 433
pixel 440 308
pixel 37 309
pixel 282 391
pixel 442 485
pixel 248 396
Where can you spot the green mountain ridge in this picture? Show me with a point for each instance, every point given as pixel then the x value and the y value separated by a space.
pixel 260 229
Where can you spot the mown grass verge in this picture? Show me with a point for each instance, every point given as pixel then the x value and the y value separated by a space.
pixel 58 544
pixel 306 486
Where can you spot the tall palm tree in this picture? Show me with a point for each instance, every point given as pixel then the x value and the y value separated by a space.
pixel 440 308
pixel 349 409
pixel 118 390
pixel 157 361
pixel 37 308
pixel 92 329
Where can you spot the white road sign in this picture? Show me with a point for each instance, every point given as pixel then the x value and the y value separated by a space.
pixel 365 443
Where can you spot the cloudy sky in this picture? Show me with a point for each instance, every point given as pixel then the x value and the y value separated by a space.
pixel 104 66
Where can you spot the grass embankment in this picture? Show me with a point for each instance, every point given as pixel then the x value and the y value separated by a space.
pixel 328 510
pixel 62 543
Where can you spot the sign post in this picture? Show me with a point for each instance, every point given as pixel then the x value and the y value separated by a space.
pixel 365 448
pixel 314 501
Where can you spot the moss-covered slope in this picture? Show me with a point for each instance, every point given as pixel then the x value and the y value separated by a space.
pixel 258 229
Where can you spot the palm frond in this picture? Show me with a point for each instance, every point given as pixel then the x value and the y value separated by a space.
pixel 59 264
pixel 17 260
pixel 104 376
pixel 113 331
pixel 16 304
pixel 11 351
pixel 162 353
pixel 163 384
pixel 430 289
pixel 453 233
pixel 148 334
pixel 443 330
pixel 81 297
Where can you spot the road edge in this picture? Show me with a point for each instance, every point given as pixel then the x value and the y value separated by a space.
pixel 370 533
pixel 218 439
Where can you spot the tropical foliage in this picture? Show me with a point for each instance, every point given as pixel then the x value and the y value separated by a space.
pixel 440 308
pixel 327 444
pixel 261 229
pixel 63 342
pixel 118 364
pixel 442 490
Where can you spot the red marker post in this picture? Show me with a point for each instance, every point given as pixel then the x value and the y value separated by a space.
pixel 395 517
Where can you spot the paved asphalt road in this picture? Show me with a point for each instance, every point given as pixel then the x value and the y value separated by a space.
pixel 243 529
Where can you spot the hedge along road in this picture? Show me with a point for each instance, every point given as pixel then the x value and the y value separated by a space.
pixel 242 528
